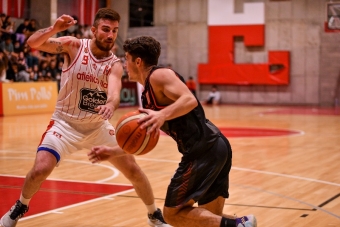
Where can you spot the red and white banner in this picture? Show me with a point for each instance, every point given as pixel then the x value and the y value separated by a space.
pixel 87 11
pixel 223 25
pixel 13 8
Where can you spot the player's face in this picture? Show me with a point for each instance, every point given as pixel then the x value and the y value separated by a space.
pixel 131 68
pixel 105 34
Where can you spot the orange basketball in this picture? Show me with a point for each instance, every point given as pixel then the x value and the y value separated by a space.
pixel 131 138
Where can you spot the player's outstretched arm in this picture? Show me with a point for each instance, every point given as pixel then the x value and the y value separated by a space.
pixel 42 40
pixel 113 92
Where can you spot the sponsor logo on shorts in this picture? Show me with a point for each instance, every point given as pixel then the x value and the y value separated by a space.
pixel 57 134
pixel 90 99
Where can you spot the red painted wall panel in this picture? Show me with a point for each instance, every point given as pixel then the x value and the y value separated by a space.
pixel 221 68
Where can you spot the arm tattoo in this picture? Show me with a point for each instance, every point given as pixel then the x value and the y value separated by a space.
pixel 59 47
pixel 43 30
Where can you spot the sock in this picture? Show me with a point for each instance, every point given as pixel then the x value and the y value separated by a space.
pixel 151 208
pixel 226 222
pixel 24 201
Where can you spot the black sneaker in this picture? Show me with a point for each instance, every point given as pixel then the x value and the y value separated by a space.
pixel 10 219
pixel 156 219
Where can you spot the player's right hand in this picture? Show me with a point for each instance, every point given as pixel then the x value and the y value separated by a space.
pixel 64 22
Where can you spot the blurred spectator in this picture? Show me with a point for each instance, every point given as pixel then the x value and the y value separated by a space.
pixel 214 96
pixel 3 66
pixel 22 60
pixel 17 47
pixel 32 77
pixel 34 73
pixel 48 77
pixel 32 27
pixel 191 84
pixel 7 26
pixel 43 67
pixel 53 69
pixel 2 19
pixel 87 33
pixel 7 46
pixel 22 31
pixel 31 60
pixel 17 73
pixel 40 77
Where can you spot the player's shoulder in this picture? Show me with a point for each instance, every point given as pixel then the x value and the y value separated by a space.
pixel 163 71
pixel 162 75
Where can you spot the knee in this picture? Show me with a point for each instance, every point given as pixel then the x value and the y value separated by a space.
pixel 134 172
pixel 39 173
pixel 131 170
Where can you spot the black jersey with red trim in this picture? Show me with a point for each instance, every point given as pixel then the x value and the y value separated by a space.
pixel 193 133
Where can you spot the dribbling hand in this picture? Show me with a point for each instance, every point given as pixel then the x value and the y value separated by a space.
pixel 152 121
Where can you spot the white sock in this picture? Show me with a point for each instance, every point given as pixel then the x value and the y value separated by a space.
pixel 24 201
pixel 151 208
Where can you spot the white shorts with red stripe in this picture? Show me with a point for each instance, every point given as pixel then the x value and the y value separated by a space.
pixel 63 138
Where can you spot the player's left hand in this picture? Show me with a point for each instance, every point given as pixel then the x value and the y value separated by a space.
pixel 105 110
pixel 152 121
pixel 104 153
pixel 99 153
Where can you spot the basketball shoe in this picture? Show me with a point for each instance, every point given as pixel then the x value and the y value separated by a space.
pixel 246 221
pixel 11 218
pixel 156 219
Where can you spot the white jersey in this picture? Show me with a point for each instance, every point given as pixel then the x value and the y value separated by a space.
pixel 83 86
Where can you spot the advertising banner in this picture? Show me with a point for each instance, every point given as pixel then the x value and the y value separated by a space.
pixel 129 94
pixel 28 98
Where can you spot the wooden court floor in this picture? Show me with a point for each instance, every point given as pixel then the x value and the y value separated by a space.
pixel 286 171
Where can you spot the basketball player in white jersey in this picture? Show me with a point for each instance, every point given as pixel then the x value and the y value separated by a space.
pixel 89 95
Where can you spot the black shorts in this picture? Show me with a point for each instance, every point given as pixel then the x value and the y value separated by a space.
pixel 203 179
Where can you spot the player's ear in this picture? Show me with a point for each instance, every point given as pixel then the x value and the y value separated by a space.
pixel 93 30
pixel 138 61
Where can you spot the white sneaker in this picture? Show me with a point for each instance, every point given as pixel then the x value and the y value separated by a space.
pixel 246 221
pixel 11 218
pixel 156 219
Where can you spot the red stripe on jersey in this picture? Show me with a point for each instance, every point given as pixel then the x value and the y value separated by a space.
pixel 76 58
pixel 154 98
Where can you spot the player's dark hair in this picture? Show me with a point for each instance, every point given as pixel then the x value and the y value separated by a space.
pixel 106 13
pixel 144 47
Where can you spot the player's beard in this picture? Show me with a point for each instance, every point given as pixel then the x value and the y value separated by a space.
pixel 107 47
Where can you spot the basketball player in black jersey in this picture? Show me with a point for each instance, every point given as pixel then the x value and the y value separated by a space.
pixel 203 172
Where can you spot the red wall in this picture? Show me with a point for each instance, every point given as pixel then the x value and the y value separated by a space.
pixel 221 68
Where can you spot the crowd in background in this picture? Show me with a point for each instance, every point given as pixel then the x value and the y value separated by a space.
pixel 19 62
